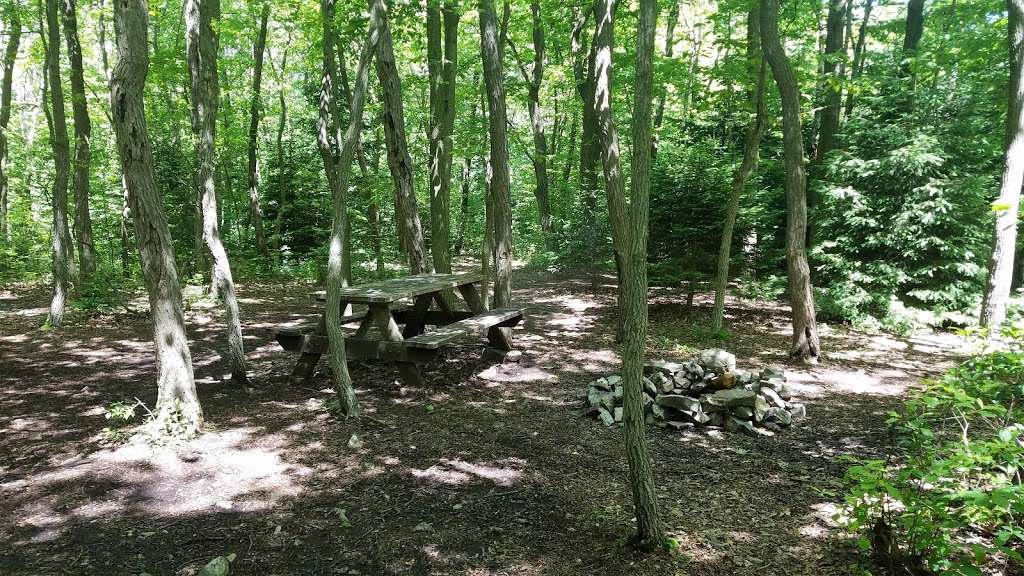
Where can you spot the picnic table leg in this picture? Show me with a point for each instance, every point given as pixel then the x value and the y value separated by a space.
pixel 416 320
pixel 499 338
pixel 305 367
pixel 385 322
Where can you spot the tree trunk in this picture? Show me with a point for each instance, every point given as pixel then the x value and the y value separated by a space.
pixel 255 109
pixel 913 30
pixel 857 66
pixel 83 136
pixel 629 235
pixel 756 66
pixel 348 404
pixel 832 100
pixel 465 186
pixel 441 66
pixel 10 56
pixel 590 150
pixel 177 402
pixel 201 52
pixel 282 178
pixel 1000 268
pixel 806 346
pixel 670 41
pixel 410 230
pixel 62 251
pixel 501 200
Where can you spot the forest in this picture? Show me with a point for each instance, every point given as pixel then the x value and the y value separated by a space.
pixel 717 287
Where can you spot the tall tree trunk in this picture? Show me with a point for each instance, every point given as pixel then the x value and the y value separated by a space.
pixel 407 212
pixel 832 99
pixel 756 66
pixel 590 149
pixel 340 378
pixel 83 136
pixel 501 200
pixel 465 186
pixel 176 398
pixel 629 235
pixel 201 52
pixel 1000 267
pixel 255 110
pixel 62 251
pixel 282 177
pixel 6 83
pixel 806 346
pixel 913 30
pixel 857 66
pixel 441 66
pixel 670 43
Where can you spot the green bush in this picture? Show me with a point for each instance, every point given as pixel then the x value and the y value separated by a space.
pixel 949 502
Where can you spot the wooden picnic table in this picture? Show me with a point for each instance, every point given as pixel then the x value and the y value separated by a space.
pixel 412 345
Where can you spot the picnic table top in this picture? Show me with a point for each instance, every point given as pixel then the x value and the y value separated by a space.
pixel 387 291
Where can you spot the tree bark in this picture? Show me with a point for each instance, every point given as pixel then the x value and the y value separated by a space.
pixel 1000 268
pixel 6 83
pixel 177 402
pixel 348 404
pixel 201 52
pixel 756 66
pixel 83 136
pixel 255 111
pixel 399 162
pixel 913 30
pixel 629 236
pixel 670 42
pixel 61 237
pixel 441 66
pixel 501 201
pixel 590 150
pixel 282 174
pixel 857 66
pixel 806 346
pixel 832 99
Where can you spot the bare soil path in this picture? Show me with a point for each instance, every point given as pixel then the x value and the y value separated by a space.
pixel 487 470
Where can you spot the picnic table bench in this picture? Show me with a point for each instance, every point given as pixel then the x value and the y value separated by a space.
pixel 412 345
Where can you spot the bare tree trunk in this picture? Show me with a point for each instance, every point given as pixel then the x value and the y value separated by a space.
pixel 83 136
pixel 756 65
pixel 590 149
pixel 670 41
pixel 629 235
pixel 282 178
pixel 806 346
pixel 255 110
pixel 1000 268
pixel 857 66
pixel 465 186
pixel 913 30
pixel 349 405
pixel 10 56
pixel 441 66
pixel 399 161
pixel 177 402
pixel 62 251
pixel 501 201
pixel 832 100
pixel 201 51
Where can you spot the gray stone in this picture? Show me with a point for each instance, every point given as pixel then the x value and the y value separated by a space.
pixel 716 419
pixel 650 387
pixel 661 366
pixel 732 398
pixel 605 416
pixel 717 360
pixel 798 411
pixel 658 411
pixel 784 391
pixel 681 380
pixel 772 397
pixel 595 396
pixel 773 372
pixel 761 408
pixel 601 383
pixel 679 425
pixel 780 416
pixel 619 391
pixel 744 412
pixel 733 424
pixel 678 402
pixel 618 413
pixel 613 380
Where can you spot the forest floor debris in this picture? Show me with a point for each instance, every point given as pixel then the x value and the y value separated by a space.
pixel 488 455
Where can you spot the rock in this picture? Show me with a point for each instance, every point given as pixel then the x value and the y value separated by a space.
pixel 779 416
pixel 761 408
pixel 717 360
pixel 732 398
pixel 601 383
pixel 695 370
pixel 658 411
pixel 613 380
pixel 666 368
pixel 619 391
pixel 597 397
pixel 678 402
pixel 733 424
pixel 773 372
pixel 650 387
pixel 679 425
pixel 744 412
pixel 618 413
pixel 715 419
pixel 798 411
pixel 772 397
pixel 594 396
pixel 724 382
pixel 784 391
pixel 744 377
pixel 681 381
pixel 605 416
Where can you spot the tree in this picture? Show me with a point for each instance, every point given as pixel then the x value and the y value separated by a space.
pixel 629 237
pixel 913 30
pixel 255 109
pixel 347 402
pixel 500 202
pixel 6 82
pixel 83 136
pixel 806 346
pixel 832 101
pixel 61 237
pixel 857 66
pixel 177 403
pixel 1004 241
pixel 399 161
pixel 756 67
pixel 441 68
pixel 201 52
pixel 670 44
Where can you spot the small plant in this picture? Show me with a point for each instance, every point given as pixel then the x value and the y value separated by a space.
pixel 121 416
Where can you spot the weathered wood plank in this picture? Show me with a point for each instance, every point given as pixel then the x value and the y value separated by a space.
pixel 387 291
pixel 478 324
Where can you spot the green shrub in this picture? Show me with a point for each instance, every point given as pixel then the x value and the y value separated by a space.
pixel 949 502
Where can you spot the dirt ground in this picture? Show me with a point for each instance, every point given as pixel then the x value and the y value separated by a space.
pixel 487 470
